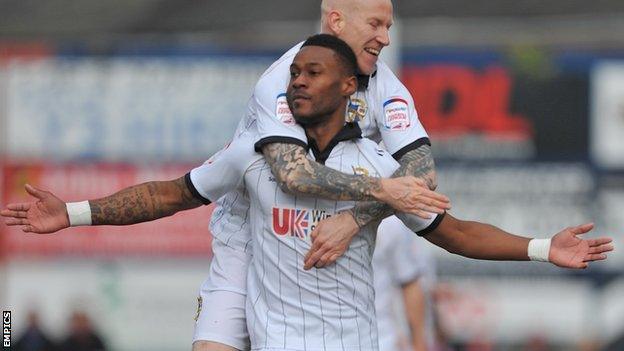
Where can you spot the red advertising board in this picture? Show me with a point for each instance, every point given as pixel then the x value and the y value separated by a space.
pixel 23 50
pixel 185 233
pixel 453 100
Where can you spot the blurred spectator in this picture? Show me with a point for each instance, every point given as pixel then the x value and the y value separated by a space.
pixel 82 336
pixel 33 338
pixel 617 344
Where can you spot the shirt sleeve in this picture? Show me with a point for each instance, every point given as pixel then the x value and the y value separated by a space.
pixel 223 172
pixel 406 266
pixel 397 120
pixel 419 225
pixel 276 123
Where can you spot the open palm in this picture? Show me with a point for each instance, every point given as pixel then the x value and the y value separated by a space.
pixel 569 251
pixel 47 214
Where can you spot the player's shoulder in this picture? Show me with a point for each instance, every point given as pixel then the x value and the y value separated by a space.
pixel 386 80
pixel 241 149
pixel 281 65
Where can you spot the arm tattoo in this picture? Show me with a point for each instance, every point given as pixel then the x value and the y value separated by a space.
pixel 417 163
pixel 298 175
pixel 142 203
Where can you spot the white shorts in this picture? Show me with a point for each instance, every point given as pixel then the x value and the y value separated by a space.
pixel 228 269
pixel 221 311
pixel 221 318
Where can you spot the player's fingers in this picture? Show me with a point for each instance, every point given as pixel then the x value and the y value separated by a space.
pixel 27 229
pixel 599 241
pixel 420 213
pixel 430 194
pixel 19 207
pixel 39 194
pixel 14 214
pixel 324 261
pixel 314 233
pixel 433 208
pixel 595 257
pixel 600 249
pixel 16 221
pixel 316 245
pixel 582 229
pixel 314 258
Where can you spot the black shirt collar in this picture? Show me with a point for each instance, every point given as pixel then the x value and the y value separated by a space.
pixel 364 79
pixel 349 131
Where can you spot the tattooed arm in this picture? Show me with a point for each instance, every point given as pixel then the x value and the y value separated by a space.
pixel 139 203
pixel 296 174
pixel 142 203
pixel 418 163
pixel 332 236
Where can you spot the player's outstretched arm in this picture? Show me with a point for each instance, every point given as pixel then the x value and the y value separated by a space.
pixel 135 204
pixel 487 242
pixel 299 175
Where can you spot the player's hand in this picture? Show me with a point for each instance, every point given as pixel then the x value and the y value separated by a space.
pixel 569 251
pixel 330 239
pixel 47 214
pixel 411 195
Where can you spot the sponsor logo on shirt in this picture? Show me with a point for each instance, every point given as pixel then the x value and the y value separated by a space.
pixel 396 114
pixel 282 111
pixel 356 110
pixel 296 222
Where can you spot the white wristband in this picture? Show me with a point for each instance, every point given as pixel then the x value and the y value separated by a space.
pixel 79 213
pixel 539 249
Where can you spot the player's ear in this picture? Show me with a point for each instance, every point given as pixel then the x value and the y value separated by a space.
pixel 349 85
pixel 335 22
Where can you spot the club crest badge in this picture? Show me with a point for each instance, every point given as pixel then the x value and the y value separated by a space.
pixel 356 111
pixel 358 170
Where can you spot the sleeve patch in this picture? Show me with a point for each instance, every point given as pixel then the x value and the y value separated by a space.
pixel 282 111
pixel 396 114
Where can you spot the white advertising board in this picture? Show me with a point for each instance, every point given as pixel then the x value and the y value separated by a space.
pixel 126 108
pixel 607 115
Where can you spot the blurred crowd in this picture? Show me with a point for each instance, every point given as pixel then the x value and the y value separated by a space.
pixel 81 336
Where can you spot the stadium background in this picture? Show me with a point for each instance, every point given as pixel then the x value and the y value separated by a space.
pixel 524 101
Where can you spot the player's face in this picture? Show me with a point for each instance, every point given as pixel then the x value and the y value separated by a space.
pixel 366 30
pixel 317 85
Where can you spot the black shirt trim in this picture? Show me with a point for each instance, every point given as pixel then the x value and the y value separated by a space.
pixel 193 190
pixel 436 222
pixel 280 140
pixel 364 79
pixel 413 146
pixel 349 131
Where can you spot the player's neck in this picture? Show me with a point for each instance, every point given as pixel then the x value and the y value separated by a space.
pixel 324 132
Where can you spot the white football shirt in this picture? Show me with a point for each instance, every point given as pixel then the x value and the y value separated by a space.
pixel 289 308
pixel 383 108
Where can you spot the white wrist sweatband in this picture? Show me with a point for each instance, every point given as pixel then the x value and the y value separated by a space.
pixel 79 213
pixel 539 249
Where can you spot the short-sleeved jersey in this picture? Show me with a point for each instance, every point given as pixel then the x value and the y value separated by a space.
pixel 220 179
pixel 382 106
pixel 395 264
pixel 289 308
